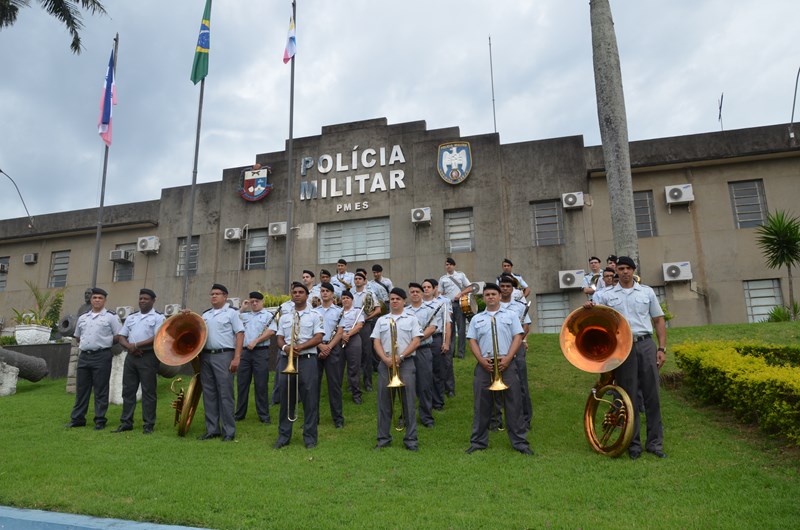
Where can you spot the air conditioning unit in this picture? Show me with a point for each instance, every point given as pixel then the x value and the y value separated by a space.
pixel 233 234
pixel 571 279
pixel 124 312
pixel 3 268
pixel 572 200
pixel 477 288
pixel 172 309
pixel 235 303
pixel 679 194
pixel 277 229
pixel 421 215
pixel 148 244
pixel 30 259
pixel 677 272
pixel 121 256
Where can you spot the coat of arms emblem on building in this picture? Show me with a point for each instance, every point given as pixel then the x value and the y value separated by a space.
pixel 455 162
pixel 253 185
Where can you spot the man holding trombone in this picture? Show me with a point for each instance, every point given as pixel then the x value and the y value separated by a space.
pixel 299 332
pixel 396 337
pixel 495 335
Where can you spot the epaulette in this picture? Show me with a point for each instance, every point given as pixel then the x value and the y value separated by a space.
pixel 112 312
pixel 207 310
pixel 159 313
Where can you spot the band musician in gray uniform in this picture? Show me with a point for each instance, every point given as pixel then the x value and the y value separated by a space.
pixel 507 286
pixel 141 364
pixel 509 333
pixel 219 360
pixel 259 326
pixel 440 344
pixel 408 334
pixel 300 330
pixel 423 361
pixel 455 284
pixel 330 361
pixel 95 333
pixel 639 373
pixel 349 330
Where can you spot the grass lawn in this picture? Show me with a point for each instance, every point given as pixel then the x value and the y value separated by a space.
pixel 718 474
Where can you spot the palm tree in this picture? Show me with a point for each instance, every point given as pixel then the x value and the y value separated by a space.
pixel 67 11
pixel 779 239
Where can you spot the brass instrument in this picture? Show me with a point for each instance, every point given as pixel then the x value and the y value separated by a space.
pixel 395 385
pixel 498 385
pixel 369 303
pixel 291 369
pixel 315 301
pixel 347 286
pixel 178 341
pixel 598 340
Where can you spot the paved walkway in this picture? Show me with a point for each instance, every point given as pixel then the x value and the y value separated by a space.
pixel 20 519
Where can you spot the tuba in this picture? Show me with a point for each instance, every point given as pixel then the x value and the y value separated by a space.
pixel 178 341
pixel 598 340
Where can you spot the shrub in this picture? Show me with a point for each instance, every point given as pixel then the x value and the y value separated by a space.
pixel 781 313
pixel 8 340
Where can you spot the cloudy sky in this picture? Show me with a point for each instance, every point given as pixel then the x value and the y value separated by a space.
pixel 359 59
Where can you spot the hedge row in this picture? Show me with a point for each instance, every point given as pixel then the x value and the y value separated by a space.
pixel 760 384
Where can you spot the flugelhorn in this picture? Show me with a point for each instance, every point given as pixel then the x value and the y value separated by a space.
pixel 498 385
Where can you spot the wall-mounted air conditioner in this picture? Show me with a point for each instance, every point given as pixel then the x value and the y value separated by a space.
pixel 278 229
pixel 234 302
pixel 572 200
pixel 421 215
pixel 678 271
pixel 148 244
pixel 121 256
pixel 30 259
pixel 172 309
pixel 679 194
pixel 124 312
pixel 233 234
pixel 571 279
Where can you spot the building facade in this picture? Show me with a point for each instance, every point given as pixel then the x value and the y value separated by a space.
pixel 407 197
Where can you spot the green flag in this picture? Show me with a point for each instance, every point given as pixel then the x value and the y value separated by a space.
pixel 200 66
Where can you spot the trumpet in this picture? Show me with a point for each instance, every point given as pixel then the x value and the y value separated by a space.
pixel 347 286
pixel 498 385
pixel 291 369
pixel 394 377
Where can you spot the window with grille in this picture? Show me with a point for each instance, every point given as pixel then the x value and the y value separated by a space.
pixel 748 203
pixel 255 254
pixel 645 213
pixel 59 264
pixel 4 261
pixel 459 231
pixel 551 311
pixel 194 251
pixel 547 223
pixel 123 272
pixel 358 240
pixel 760 296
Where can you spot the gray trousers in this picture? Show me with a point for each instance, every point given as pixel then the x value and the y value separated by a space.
pixel 308 394
pixel 522 369
pixel 639 372
pixel 484 402
pixel 217 381
pixel 94 372
pixel 367 354
pixel 254 365
pixel 352 354
pixel 387 400
pixel 333 368
pixel 439 371
pixel 424 368
pixel 459 324
pixel 139 370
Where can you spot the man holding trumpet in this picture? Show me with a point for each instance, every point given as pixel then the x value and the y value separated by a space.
pixel 495 335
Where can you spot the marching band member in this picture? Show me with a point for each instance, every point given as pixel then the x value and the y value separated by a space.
pixel 592 278
pixel 423 360
pixel 259 326
pixel 522 291
pixel 349 327
pixel 380 285
pixel 521 310
pixel 364 298
pixel 343 281
pixel 455 284
pixel 439 340
pixel 329 354
pixel 607 282
pixel 313 288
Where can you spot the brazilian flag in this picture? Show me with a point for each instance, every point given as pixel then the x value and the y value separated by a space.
pixel 200 66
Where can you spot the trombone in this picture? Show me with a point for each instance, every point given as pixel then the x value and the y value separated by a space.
pixel 291 369
pixel 395 385
pixel 498 385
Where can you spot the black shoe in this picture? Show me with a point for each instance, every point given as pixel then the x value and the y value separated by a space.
pixel 368 388
pixel 147 430
pixel 72 425
pixel 412 448
pixel 525 451
pixel 279 445
pixel 658 452
pixel 438 407
pixel 227 439
pixel 340 425
pixel 460 355
pixel 378 447
pixel 471 449
pixel 357 400
pixel 207 436
pixel 312 445
pixel 635 455
pixel 451 394
pixel 428 425
pixel 100 426
pixel 266 421
pixel 123 428
pixel 237 418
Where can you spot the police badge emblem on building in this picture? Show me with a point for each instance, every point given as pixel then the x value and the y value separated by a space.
pixel 455 162
pixel 253 185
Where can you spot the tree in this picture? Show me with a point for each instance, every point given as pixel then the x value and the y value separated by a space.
pixel 67 11
pixel 779 239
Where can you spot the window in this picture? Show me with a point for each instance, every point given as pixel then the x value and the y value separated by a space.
pixel 645 215
pixel 4 261
pixel 359 240
pixel 748 203
pixel 255 254
pixel 551 310
pixel 760 296
pixel 459 231
pixel 661 294
pixel 194 251
pixel 59 263
pixel 547 223
pixel 123 272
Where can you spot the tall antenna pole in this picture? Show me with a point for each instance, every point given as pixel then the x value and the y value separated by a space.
pixel 290 172
pixel 721 97
pixel 491 75
pixel 794 101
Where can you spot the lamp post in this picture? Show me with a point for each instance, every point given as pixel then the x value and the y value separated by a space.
pixel 30 219
pixel 794 101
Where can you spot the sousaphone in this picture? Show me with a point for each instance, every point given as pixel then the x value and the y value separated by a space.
pixel 598 340
pixel 178 341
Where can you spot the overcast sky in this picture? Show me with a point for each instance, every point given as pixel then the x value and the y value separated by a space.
pixel 358 59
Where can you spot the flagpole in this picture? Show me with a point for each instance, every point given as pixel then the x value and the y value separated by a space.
pixel 103 187
pixel 290 171
pixel 491 76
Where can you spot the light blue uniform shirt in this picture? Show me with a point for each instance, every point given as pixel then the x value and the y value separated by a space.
pixel 330 316
pixel 350 317
pixel 423 314
pixel 139 327
pixel 408 327
pixel 451 285
pixel 381 289
pixel 223 325
pixel 441 307
pixel 255 324
pixel 480 329
pixel 338 281
pixel 518 308
pixel 310 324
pixel 638 305
pixel 96 330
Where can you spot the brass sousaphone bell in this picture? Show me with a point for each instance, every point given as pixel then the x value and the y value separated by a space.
pixel 178 341
pixel 598 340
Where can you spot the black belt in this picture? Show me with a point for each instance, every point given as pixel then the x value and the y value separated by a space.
pixel 261 347
pixel 95 351
pixel 641 337
pixel 221 350
pixel 302 355
pixel 437 335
